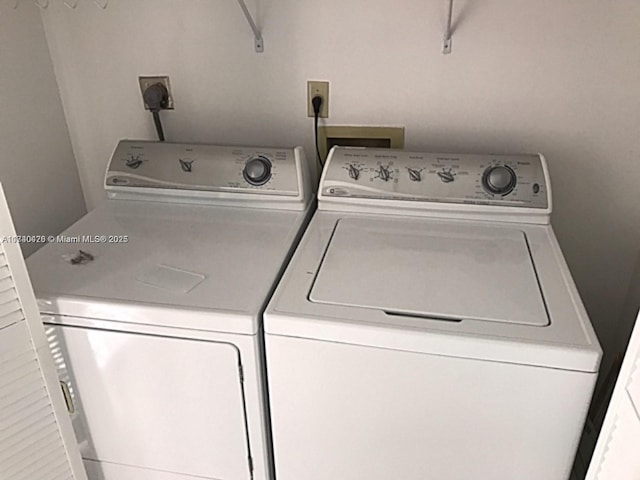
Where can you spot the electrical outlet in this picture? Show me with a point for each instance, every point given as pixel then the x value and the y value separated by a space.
pixel 314 89
pixel 146 82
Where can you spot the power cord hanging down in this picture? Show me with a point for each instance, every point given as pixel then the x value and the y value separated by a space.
pixel 158 124
pixel 316 102
pixel 156 98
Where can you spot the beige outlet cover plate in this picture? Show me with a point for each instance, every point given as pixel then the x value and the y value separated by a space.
pixel 318 88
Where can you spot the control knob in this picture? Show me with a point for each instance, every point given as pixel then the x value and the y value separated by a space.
pixel 354 172
pixel 414 174
pixel 446 176
pixel 499 180
pixel 133 162
pixel 257 171
pixel 383 173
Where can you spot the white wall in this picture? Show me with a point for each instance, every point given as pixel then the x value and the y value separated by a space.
pixel 552 76
pixel 37 167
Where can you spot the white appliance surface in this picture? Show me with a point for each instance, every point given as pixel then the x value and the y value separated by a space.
pixel 153 307
pixel 131 393
pixel 416 337
pixel 432 270
pixel 176 256
pixel 563 337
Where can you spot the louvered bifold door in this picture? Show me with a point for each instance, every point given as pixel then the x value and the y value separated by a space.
pixel 36 437
pixel 617 453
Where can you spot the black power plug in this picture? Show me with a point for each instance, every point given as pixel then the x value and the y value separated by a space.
pixel 316 103
pixel 156 97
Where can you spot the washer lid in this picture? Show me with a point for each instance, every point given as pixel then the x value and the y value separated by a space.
pixel 446 271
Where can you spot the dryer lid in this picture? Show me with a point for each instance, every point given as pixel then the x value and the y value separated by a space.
pixel 448 271
pixel 174 257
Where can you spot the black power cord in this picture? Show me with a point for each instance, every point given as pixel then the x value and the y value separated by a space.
pixel 158 124
pixel 156 97
pixel 316 102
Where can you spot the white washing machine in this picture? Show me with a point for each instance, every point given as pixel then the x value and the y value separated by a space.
pixel 153 307
pixel 427 326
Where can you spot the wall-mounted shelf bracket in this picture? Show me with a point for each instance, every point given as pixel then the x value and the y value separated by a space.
pixel 446 44
pixel 258 41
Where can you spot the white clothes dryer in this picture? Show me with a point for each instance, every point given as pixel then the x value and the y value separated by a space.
pixel 428 327
pixel 153 307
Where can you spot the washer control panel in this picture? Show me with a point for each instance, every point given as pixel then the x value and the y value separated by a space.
pixel 501 180
pixel 210 168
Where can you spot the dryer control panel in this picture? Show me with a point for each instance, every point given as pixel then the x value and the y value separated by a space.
pixel 160 169
pixel 441 178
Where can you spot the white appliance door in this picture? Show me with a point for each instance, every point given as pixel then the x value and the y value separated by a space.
pixel 147 402
pixel 36 437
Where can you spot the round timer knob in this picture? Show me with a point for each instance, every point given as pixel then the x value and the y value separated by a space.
pixel 499 180
pixel 257 171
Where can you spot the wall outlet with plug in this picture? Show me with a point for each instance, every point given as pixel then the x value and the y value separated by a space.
pixel 146 82
pixel 318 89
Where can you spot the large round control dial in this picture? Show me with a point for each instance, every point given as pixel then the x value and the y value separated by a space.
pixel 257 171
pixel 499 180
